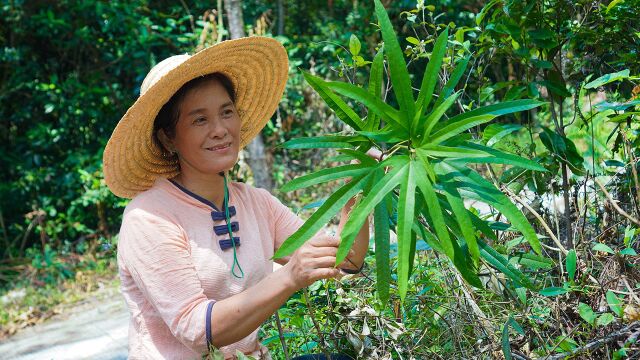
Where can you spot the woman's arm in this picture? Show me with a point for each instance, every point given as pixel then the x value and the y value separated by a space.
pixel 360 245
pixel 237 316
pixel 155 253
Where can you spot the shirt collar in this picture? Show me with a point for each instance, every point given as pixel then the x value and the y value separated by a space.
pixel 186 195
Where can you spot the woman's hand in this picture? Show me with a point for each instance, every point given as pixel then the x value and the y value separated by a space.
pixel 314 260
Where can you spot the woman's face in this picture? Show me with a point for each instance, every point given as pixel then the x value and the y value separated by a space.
pixel 207 135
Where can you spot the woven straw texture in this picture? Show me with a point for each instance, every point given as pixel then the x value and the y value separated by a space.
pixel 258 68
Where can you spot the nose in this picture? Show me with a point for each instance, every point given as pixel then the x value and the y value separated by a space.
pixel 216 129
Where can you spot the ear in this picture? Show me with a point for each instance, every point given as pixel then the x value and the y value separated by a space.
pixel 166 141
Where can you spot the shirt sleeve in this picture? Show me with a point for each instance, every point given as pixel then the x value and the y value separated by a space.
pixel 156 253
pixel 283 221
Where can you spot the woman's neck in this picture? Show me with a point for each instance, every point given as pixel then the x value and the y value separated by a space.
pixel 210 187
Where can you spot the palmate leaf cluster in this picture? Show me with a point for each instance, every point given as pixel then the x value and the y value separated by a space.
pixel 419 187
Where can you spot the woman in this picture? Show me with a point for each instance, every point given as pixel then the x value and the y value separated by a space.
pixel 195 249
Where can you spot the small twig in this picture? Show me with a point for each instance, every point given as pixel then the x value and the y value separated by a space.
pixel 542 222
pixel 614 204
pixel 519 356
pixel 632 293
pixel 550 247
pixel 635 326
pixel 484 322
pixel 186 8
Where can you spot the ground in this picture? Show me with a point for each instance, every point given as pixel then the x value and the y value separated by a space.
pixel 95 328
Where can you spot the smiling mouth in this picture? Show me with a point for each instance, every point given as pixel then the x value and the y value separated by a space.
pixel 219 147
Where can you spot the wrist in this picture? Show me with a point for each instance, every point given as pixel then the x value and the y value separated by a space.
pixel 287 278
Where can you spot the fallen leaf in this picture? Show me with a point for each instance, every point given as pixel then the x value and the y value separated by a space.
pixel 631 313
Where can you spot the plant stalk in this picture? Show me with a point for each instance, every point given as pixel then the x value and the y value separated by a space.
pixel 322 343
pixel 281 335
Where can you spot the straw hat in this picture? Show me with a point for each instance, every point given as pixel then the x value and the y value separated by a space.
pixel 257 67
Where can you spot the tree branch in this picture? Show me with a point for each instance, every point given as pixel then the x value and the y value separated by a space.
pixel 631 329
pixel 614 204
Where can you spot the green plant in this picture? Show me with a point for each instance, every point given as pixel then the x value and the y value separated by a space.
pixel 424 176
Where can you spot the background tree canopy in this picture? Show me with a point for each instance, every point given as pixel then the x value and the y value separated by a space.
pixel 69 70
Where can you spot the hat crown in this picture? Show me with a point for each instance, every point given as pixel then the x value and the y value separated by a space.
pixel 161 69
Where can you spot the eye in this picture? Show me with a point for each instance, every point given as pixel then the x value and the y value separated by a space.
pixel 199 120
pixel 228 112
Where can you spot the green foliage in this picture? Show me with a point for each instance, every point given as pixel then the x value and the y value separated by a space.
pixel 506 347
pixel 425 153
pixel 614 303
pixel 79 66
pixel 570 263
pixel 69 70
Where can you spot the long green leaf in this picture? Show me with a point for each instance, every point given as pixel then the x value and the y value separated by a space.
pixel 397 66
pixel 386 135
pixel 329 208
pixel 342 110
pixel 451 152
pixel 506 346
pixel 374 104
pixel 499 109
pixel 436 114
pixel 430 77
pixel 462 260
pixel 325 175
pixel 500 157
pixel 362 157
pixel 571 262
pixel 427 236
pixel 406 212
pixel 483 190
pixel 316 142
pixel 501 263
pixel 382 239
pixel 531 261
pixel 361 211
pixel 483 226
pixel 375 88
pixel 455 128
pixel 462 216
pixel 455 77
pixel 605 79
pixel 433 208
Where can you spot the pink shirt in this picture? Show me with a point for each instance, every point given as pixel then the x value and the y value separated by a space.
pixel 171 265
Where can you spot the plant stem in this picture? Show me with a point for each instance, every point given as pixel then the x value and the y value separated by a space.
pixel 559 122
pixel 634 171
pixel 322 343
pixel 281 335
pixel 5 236
pixel 614 204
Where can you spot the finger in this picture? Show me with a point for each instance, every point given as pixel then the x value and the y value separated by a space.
pixel 323 262
pixel 325 240
pixel 325 273
pixel 323 251
pixel 375 153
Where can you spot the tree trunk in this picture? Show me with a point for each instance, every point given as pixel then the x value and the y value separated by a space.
pixel 280 6
pixel 255 151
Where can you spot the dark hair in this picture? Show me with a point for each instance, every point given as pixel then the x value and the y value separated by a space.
pixel 167 118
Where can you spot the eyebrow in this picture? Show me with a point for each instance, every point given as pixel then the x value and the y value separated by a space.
pixel 201 110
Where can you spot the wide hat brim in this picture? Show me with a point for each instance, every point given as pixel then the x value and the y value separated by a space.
pixel 258 68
